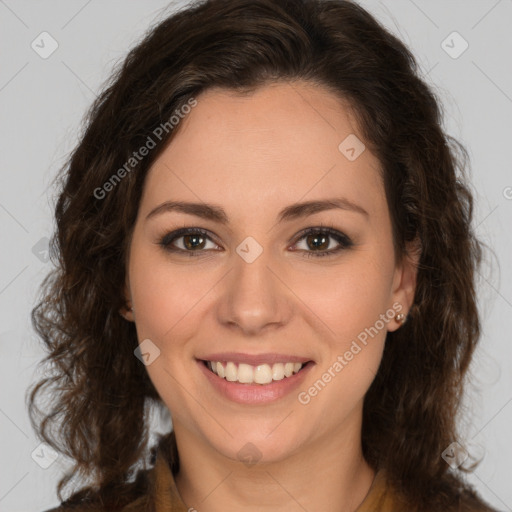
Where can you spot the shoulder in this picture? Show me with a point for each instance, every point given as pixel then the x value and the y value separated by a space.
pixel 138 505
pixel 150 487
pixel 389 496
pixel 129 497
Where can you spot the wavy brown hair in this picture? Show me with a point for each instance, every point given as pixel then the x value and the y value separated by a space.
pixel 100 392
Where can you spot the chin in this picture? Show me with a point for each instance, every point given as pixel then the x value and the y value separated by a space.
pixel 255 446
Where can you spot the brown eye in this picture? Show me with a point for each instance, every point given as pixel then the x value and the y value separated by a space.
pixel 323 242
pixel 193 241
pixel 189 241
pixel 319 241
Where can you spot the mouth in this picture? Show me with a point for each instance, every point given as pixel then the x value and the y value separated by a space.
pixel 262 374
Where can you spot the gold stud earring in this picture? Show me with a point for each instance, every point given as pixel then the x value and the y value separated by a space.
pixel 129 309
pixel 401 318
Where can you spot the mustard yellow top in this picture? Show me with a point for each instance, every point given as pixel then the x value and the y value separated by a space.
pixel 160 494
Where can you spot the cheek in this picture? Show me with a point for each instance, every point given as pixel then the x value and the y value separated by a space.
pixel 349 297
pixel 167 312
pixel 350 306
pixel 165 295
pixel 350 301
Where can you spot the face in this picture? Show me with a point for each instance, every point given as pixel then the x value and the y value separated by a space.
pixel 287 263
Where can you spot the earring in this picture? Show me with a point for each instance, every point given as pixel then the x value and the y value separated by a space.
pixel 401 318
pixel 129 309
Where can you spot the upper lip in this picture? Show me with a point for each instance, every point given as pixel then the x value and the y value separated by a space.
pixel 254 359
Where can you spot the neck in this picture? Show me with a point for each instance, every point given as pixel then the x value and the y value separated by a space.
pixel 329 474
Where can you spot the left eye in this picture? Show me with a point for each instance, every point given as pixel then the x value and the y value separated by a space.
pixel 319 239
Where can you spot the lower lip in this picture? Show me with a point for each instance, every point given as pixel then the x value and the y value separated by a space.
pixel 255 393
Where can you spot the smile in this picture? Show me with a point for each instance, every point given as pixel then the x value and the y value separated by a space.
pixel 250 380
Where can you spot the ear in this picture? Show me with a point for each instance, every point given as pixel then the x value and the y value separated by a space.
pixel 126 311
pixel 404 282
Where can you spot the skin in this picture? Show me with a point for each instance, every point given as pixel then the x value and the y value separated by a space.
pixel 253 155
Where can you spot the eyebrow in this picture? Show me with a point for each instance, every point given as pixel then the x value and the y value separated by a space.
pixel 216 213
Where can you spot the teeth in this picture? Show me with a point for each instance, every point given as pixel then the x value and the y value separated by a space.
pixel 248 374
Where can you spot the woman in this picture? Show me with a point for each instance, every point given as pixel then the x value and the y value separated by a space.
pixel 265 231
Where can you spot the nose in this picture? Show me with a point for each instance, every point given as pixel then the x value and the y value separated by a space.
pixel 254 298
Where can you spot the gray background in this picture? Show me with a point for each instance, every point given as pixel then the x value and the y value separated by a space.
pixel 42 102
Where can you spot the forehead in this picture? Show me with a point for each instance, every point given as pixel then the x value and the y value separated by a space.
pixel 276 145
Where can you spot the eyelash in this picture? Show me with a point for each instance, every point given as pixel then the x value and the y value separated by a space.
pixel 343 240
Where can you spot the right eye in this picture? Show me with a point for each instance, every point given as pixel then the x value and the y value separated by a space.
pixel 187 241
